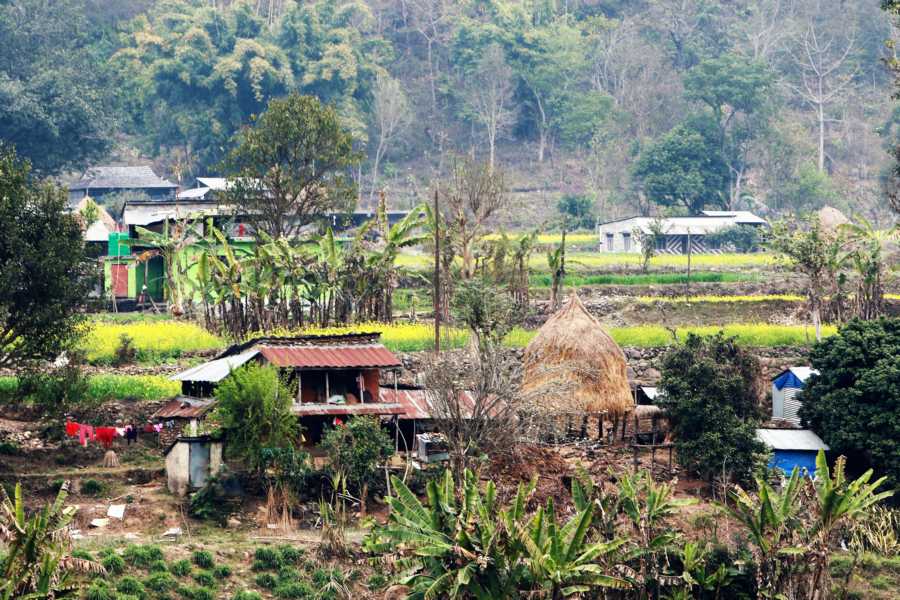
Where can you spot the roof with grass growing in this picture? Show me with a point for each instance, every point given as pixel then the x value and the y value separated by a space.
pixel 573 365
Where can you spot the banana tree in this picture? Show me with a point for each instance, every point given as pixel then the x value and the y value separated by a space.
pixel 38 563
pixel 171 243
pixel 866 248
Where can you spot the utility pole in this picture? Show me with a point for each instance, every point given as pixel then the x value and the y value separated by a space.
pixel 437 274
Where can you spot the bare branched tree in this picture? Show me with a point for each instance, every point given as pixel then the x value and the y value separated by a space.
pixel 490 92
pixel 822 59
pixel 390 113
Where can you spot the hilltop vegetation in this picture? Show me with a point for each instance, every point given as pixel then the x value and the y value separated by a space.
pixel 687 103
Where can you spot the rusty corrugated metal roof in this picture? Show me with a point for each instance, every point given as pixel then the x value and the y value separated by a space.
pixel 183 407
pixel 416 404
pixel 335 357
pixel 370 408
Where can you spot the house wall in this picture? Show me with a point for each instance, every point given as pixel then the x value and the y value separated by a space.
pixel 786 460
pixel 177 469
pixel 215 457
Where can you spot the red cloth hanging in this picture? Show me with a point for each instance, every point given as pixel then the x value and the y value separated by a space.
pixel 71 429
pixel 105 435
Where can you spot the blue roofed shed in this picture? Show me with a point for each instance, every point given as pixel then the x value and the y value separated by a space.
pixel 792 448
pixel 785 387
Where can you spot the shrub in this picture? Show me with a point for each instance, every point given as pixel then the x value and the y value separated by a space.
pixel 130 585
pixel 222 571
pixel 295 590
pixel 55 389
pixel 202 593
pixel 288 574
pixel 82 554
pixel 212 501
pixel 99 590
pixel 158 566
pixel 266 581
pixel 92 487
pixel 113 563
pixel 290 555
pixel 205 578
pixel 185 592
pixel 246 595
pixel 9 448
pixel 203 559
pixel 180 568
pixel 376 581
pixel 266 558
pixel 356 449
pixel 125 352
pixel 142 556
pixel 160 581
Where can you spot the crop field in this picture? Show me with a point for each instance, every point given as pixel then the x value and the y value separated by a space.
pixel 594 261
pixel 103 387
pixel 720 299
pixel 545 280
pixel 155 341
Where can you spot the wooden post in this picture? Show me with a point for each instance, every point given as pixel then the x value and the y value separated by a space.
pixel 327 387
pixel 635 448
pixel 652 459
pixel 299 387
pixel 437 275
pixel 360 379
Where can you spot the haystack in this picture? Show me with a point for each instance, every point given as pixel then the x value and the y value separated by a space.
pixel 831 218
pixel 573 365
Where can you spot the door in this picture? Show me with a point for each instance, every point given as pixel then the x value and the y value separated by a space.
pixel 198 464
pixel 119 280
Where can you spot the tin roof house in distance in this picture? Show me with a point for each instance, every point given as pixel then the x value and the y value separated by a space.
pixel 331 376
pixel 624 235
pixel 792 448
pixel 97 182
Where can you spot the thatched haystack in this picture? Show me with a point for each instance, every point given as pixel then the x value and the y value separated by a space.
pixel 573 365
pixel 831 218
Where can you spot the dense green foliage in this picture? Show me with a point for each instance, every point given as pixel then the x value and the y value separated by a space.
pixel 55 93
pixel 854 401
pixel 358 449
pixel 43 272
pixel 254 410
pixel 710 390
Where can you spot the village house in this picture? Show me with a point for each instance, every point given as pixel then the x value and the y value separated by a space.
pixel 333 377
pixel 101 181
pixel 678 234
pixel 785 387
pixel 792 448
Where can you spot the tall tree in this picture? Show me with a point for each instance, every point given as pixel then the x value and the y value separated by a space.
pixel 490 91
pixel 43 268
pixel 291 166
pixel 55 98
pixel 685 168
pixel 390 114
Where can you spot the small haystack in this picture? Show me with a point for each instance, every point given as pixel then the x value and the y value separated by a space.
pixel 831 218
pixel 572 365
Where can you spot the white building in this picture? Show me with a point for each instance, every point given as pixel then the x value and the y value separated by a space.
pixel 625 235
pixel 785 386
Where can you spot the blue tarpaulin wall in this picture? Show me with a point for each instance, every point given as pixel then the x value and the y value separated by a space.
pixel 786 460
pixel 788 379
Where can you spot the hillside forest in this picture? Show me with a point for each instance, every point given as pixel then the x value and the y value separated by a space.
pixel 777 106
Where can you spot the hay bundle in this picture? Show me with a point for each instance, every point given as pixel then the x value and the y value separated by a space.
pixel 572 365
pixel 110 460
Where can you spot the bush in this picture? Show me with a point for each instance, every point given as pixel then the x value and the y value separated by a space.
pixel 130 585
pixel 99 590
pixel 113 563
pixel 376 581
pixel 213 501
pixel 290 555
pixel 56 389
pixel 266 558
pixel 142 556
pixel 356 449
pixel 9 448
pixel 202 593
pixel 222 572
pixel 246 595
pixel 288 574
pixel 160 581
pixel 203 559
pixel 205 578
pixel 92 487
pixel 180 568
pixel 295 589
pixel 125 352
pixel 158 566
pixel 82 554
pixel 266 581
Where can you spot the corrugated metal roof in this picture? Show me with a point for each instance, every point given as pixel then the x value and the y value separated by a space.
pixel 348 356
pixel 183 407
pixel 416 403
pixel 215 370
pixel 791 439
pixel 121 177
pixel 370 408
pixel 699 225
pixel 146 213
pixel 193 193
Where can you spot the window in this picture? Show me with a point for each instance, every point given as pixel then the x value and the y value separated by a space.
pixel 609 242
pixel 626 242
pixel 661 242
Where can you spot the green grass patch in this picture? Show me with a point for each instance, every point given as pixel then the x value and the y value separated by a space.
pixel 545 280
pixel 105 387
pixel 713 299
pixel 154 342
